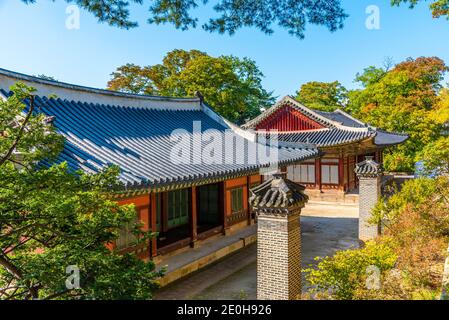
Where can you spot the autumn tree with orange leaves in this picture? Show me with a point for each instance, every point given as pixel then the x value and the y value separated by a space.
pixel 408 99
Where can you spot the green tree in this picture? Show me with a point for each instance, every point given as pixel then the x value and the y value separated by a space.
pixel 326 96
pixel 439 8
pixel 435 157
pixel 403 99
pixel 344 275
pixel 232 86
pixel 409 254
pixel 292 15
pixel 52 218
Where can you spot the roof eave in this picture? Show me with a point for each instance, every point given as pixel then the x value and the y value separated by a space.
pixel 145 188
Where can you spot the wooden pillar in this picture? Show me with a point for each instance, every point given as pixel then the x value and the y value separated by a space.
pixel 164 211
pixel 144 216
pixel 248 186
pixel 223 205
pixel 348 167
pixel 341 171
pixel 318 174
pixel 153 223
pixel 193 216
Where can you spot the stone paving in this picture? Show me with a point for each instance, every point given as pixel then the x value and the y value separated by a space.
pixel 326 228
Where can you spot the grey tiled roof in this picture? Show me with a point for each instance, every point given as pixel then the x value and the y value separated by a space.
pixel 324 137
pixel 277 195
pixel 368 168
pixel 384 138
pixel 338 128
pixel 342 118
pixel 139 140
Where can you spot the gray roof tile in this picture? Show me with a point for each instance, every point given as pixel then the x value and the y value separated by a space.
pixel 277 195
pixel 139 140
pixel 368 168
pixel 339 128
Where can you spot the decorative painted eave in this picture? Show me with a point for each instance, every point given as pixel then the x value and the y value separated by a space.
pixel 288 101
pixel 368 168
pixel 340 128
pixel 278 196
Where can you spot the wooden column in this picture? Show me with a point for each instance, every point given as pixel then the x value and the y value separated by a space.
pixel 248 186
pixel 164 212
pixel 348 167
pixel 144 215
pixel 223 205
pixel 318 174
pixel 153 224
pixel 193 216
pixel 341 172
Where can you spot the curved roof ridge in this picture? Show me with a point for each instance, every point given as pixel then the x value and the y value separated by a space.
pixel 292 131
pixel 295 104
pixel 46 87
pixel 351 117
pixel 308 111
pixel 392 132
pixel 67 85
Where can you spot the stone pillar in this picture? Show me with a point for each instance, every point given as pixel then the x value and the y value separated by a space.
pixel 278 203
pixel 369 173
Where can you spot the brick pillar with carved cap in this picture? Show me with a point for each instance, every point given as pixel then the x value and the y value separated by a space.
pixel 278 203
pixel 369 173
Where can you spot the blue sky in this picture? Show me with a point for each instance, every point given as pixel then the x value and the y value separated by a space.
pixel 36 41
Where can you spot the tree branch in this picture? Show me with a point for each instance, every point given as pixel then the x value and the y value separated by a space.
pixel 20 134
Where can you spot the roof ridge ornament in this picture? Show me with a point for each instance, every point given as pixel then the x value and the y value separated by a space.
pixel 368 168
pixel 199 95
pixel 278 196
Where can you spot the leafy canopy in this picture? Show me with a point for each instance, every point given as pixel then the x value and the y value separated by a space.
pixel 435 157
pixel 403 99
pixel 231 86
pixel 232 15
pixel 52 218
pixel 344 275
pixel 325 96
pixel 439 8
pixel 409 254
pixel 292 15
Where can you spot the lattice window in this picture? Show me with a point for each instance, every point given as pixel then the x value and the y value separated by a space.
pixel 178 208
pixel 302 173
pixel 237 200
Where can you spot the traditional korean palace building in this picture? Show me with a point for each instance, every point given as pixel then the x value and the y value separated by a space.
pixel 344 140
pixel 184 202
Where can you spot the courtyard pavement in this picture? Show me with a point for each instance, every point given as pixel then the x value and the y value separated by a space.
pixel 325 228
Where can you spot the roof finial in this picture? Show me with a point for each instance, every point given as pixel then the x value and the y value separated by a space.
pixel 199 95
